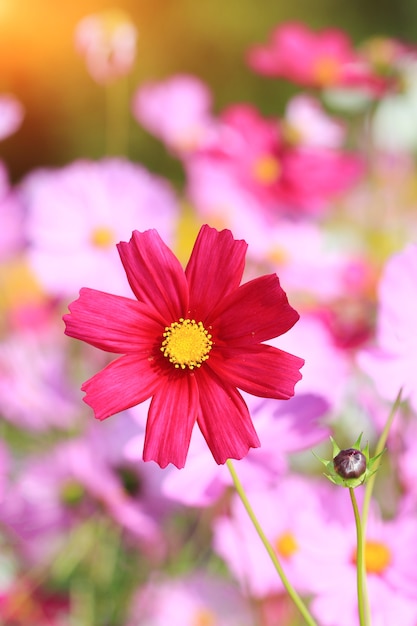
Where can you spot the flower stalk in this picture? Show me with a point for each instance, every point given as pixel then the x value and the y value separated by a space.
pixel 380 446
pixel 351 468
pixel 360 561
pixel 268 547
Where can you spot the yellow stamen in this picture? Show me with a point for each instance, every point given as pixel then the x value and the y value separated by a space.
pixel 286 544
pixel 266 169
pixel 204 617
pixel 377 557
pixel 102 237
pixel 186 343
pixel 326 71
pixel 278 255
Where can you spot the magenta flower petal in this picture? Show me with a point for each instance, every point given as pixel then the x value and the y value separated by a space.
pixel 171 419
pixel 215 269
pixel 127 381
pixel 111 323
pixel 254 369
pixel 224 418
pixel 255 312
pixel 155 274
pixel 192 338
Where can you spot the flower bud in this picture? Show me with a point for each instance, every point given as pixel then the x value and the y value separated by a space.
pixel 350 463
pixel 350 467
pixel 107 40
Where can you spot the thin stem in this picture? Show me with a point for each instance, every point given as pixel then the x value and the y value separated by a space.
pixel 369 489
pixel 290 589
pixel 117 119
pixel 360 561
pixel 379 448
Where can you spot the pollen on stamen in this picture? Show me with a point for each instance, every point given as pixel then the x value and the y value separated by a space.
pixel 186 343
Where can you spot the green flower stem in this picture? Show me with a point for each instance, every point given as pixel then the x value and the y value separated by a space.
pixel 116 119
pixel 379 448
pixel 290 589
pixel 369 489
pixel 360 561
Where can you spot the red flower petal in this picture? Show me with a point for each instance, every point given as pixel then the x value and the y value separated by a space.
pixel 155 275
pixel 260 370
pixel 112 323
pixel 255 312
pixel 125 382
pixel 215 269
pixel 224 418
pixel 171 418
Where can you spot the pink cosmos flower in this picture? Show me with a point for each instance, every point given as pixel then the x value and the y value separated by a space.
pixel 76 214
pixel 327 369
pixel 276 174
pixel 323 59
pixel 392 362
pixel 292 516
pixel 53 492
pixel 390 560
pixel 307 123
pixel 177 111
pixel 195 600
pixel 407 459
pixel 34 383
pixel 189 341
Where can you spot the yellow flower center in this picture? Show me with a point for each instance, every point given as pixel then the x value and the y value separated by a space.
pixel 326 71
pixel 286 545
pixel 204 617
pixel 278 255
pixel 266 169
pixel 377 557
pixel 186 343
pixel 102 237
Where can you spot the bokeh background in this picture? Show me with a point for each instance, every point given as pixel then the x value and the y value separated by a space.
pixel 66 111
pixel 331 263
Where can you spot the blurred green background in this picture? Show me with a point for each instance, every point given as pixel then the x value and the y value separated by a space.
pixel 66 111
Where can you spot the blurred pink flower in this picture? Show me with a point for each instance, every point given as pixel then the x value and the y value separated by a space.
pixel 107 40
pixel 292 516
pixel 323 59
pixel 198 599
pixel 193 337
pixel 307 123
pixel 391 557
pixel 34 389
pixel 281 177
pixel 314 262
pixel 76 214
pixel 392 363
pixel 11 115
pixel 177 111
pixel 68 483
pixel 327 369
pixel 407 458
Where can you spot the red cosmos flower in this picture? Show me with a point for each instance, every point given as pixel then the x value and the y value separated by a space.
pixel 189 341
